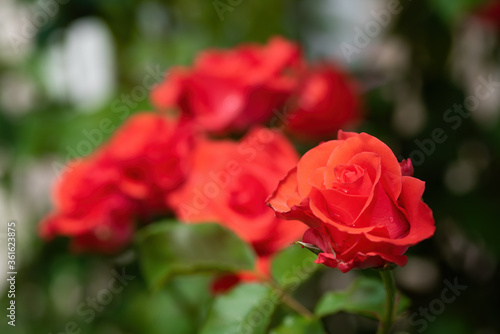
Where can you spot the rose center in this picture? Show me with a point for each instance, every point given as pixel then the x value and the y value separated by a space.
pixel 348 173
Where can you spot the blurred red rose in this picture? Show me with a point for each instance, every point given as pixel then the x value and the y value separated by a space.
pixel 150 153
pixel 90 209
pixel 362 207
pixel 99 198
pixel 226 282
pixel 490 13
pixel 232 90
pixel 229 183
pixel 327 100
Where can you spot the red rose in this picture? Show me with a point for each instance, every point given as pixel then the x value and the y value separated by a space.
pixel 229 183
pixel 150 154
pixel 99 198
pixel 231 90
pixel 490 13
pixel 362 209
pixel 90 208
pixel 226 282
pixel 327 100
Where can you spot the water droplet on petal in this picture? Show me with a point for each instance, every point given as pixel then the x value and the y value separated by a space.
pixel 391 219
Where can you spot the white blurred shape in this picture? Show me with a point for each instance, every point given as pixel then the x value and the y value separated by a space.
pixel 342 18
pixel 488 113
pixel 464 254
pixel 419 275
pixel 32 183
pixel 17 93
pixel 473 44
pixel 17 32
pixel 392 57
pixel 55 77
pixel 461 177
pixel 81 67
pixel 410 115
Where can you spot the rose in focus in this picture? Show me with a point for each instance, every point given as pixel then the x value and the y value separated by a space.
pixel 362 207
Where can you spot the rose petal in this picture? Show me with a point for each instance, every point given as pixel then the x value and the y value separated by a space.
pixel 338 206
pixel 369 161
pixel 169 92
pixel 311 161
pixel 417 213
pixel 343 135
pixel 391 171
pixel 286 195
pixel 382 212
pixel 318 238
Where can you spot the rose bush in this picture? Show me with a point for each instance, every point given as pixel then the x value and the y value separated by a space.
pixel 99 198
pixel 229 183
pixel 362 207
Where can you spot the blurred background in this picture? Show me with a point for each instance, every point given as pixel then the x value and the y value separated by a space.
pixel 66 65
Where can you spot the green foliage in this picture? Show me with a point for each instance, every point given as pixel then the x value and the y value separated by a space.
pixel 366 296
pixel 170 248
pixel 293 266
pixel 298 325
pixel 450 11
pixel 178 307
pixel 245 309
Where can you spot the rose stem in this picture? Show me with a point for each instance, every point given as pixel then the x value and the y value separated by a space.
pixel 290 301
pixel 390 294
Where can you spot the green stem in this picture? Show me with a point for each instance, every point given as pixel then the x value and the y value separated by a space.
pixel 296 306
pixel 390 295
pixel 290 301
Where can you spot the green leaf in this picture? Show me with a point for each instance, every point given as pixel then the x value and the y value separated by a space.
pixel 450 11
pixel 248 308
pixel 177 307
pixel 168 249
pixel 293 266
pixel 298 325
pixel 366 296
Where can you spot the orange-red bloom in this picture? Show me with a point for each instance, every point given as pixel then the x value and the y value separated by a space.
pixel 229 183
pixel 362 207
